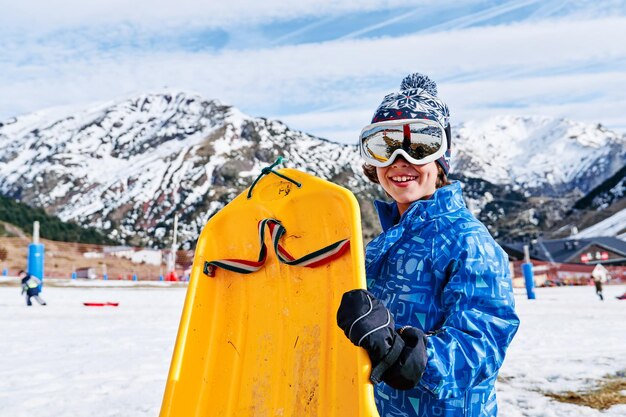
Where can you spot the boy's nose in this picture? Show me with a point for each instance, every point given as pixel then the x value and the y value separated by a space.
pixel 400 162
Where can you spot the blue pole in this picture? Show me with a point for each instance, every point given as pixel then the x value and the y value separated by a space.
pixel 529 279
pixel 36 256
pixel 35 261
pixel 527 271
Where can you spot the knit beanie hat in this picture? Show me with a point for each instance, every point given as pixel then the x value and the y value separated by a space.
pixel 417 99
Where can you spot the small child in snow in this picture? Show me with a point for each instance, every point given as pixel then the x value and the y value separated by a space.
pixel 31 286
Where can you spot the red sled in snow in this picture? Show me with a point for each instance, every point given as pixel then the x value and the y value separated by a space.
pixel 109 304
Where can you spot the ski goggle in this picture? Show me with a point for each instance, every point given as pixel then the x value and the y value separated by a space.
pixel 418 141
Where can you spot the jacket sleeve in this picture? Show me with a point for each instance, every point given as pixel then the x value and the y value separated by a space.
pixel 480 319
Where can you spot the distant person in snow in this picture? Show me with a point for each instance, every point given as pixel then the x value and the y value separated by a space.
pixel 597 281
pixel 31 286
pixel 599 275
pixel 439 314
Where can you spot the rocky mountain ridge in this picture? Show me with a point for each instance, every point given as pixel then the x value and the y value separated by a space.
pixel 126 166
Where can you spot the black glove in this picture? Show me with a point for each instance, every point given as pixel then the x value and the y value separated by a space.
pixel 407 371
pixel 397 359
pixel 368 324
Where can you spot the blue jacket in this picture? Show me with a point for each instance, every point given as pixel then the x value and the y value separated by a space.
pixel 437 268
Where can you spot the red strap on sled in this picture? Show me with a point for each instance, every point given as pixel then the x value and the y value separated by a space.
pixel 277 230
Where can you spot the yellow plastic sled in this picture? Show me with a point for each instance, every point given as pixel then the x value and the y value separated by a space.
pixel 266 343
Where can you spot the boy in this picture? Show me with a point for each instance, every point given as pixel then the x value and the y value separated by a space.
pixel 434 271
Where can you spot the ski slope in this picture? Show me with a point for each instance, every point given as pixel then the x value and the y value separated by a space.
pixel 68 360
pixel 612 226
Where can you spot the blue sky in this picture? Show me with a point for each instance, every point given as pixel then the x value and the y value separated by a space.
pixel 320 66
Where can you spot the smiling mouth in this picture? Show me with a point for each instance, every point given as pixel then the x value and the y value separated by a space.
pixel 403 178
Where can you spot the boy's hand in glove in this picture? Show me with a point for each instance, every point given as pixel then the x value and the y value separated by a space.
pixel 407 371
pixel 399 360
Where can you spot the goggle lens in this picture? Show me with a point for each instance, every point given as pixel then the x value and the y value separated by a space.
pixel 421 142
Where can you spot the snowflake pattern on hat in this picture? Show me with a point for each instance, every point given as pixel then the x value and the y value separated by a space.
pixel 416 103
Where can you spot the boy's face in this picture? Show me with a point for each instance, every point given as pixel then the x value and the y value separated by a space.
pixel 406 183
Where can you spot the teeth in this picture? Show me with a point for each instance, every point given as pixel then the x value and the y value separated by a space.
pixel 403 178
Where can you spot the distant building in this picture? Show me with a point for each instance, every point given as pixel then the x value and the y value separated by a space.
pixel 135 255
pixel 587 251
pixel 112 250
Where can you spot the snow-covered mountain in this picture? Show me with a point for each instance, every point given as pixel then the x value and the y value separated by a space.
pixel 127 166
pixel 611 226
pixel 540 155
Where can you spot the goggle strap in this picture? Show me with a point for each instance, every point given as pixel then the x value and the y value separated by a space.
pixel 448 136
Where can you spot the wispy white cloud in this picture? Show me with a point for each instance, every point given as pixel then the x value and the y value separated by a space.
pixel 42 15
pixel 464 20
pixel 484 14
pixel 302 30
pixel 563 67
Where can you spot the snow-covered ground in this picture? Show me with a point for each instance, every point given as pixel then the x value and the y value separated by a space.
pixel 67 360
pixel 568 340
